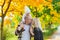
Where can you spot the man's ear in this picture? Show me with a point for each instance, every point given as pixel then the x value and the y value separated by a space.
pixel 33 22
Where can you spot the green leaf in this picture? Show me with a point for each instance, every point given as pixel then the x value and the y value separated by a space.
pixel 55 1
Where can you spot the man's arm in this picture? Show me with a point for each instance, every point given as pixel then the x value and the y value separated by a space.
pixel 31 31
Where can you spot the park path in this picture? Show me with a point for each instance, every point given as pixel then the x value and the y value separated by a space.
pixel 56 35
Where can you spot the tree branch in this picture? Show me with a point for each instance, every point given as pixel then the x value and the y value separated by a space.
pixel 3 3
pixel 2 7
pixel 7 7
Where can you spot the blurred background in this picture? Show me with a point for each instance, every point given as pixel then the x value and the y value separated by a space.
pixel 48 11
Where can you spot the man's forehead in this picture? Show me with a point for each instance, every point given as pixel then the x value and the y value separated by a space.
pixel 28 18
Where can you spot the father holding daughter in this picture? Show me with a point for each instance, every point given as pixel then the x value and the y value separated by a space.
pixel 30 26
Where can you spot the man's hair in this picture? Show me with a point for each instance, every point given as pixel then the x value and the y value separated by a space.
pixel 25 17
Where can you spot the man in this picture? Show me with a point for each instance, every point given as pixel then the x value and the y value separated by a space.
pixel 24 27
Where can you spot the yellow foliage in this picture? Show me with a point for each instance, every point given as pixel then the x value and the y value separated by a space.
pixel 40 7
pixel 1 2
pixel 17 8
pixel 50 6
pixel 45 3
pixel 50 0
pixel 54 12
pixel 43 25
pixel 7 21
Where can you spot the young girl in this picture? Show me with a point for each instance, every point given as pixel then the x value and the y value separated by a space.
pixel 38 35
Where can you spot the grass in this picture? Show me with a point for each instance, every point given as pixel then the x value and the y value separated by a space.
pixel 9 34
pixel 0 34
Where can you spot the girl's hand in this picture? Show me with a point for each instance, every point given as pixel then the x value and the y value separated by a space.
pixel 20 27
pixel 32 34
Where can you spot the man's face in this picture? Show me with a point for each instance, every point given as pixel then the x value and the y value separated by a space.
pixel 28 20
pixel 27 14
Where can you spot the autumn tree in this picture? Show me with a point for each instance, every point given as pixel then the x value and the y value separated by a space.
pixel 3 15
pixel 46 10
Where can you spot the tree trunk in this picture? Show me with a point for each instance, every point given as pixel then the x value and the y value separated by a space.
pixel 2 23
